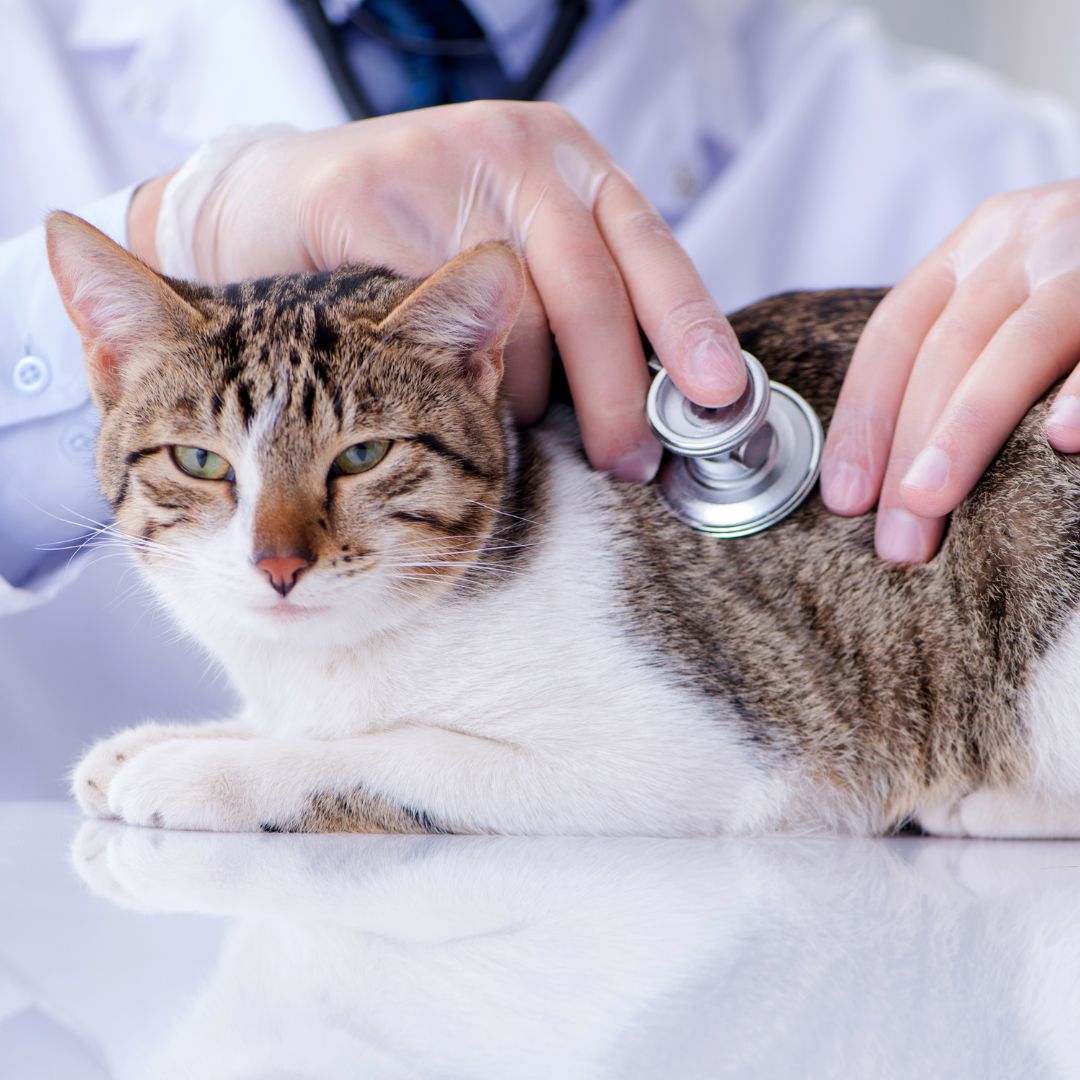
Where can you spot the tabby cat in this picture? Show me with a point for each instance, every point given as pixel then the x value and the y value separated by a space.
pixel 440 624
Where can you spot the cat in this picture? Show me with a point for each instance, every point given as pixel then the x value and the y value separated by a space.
pixel 438 623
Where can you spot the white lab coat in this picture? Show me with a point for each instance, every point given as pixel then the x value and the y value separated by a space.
pixel 790 148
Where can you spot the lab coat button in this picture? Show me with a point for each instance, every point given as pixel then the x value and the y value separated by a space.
pixel 30 375
pixel 78 443
pixel 146 98
pixel 686 182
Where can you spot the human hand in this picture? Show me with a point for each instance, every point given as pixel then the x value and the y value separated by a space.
pixel 950 362
pixel 412 190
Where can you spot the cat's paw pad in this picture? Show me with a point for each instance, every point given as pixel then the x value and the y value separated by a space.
pixel 199 784
pixel 93 776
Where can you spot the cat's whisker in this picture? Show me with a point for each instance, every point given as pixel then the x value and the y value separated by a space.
pixel 396 569
pixel 138 587
pixel 96 537
pixel 434 556
pixel 94 542
pixel 57 517
pixel 198 570
pixel 94 560
pixel 64 543
pixel 427 541
pixel 90 524
pixel 141 543
pixel 425 579
pixel 471 570
pixel 448 564
pixel 199 573
pixel 504 513
pixel 103 533
pixel 86 518
pixel 97 528
pixel 460 556
pixel 157 546
pixel 176 558
pixel 479 538
pixel 72 545
pixel 88 545
pixel 481 545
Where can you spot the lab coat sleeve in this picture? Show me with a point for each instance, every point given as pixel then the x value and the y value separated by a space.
pixel 47 424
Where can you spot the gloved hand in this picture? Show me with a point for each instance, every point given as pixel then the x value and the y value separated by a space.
pixel 951 361
pixel 414 189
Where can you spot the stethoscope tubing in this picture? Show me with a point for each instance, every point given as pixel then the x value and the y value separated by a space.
pixel 359 106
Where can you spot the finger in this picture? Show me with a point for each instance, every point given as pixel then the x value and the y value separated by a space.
pixel 1063 423
pixel 1033 348
pixel 691 337
pixel 593 323
pixel 905 538
pixel 975 311
pixel 527 381
pixel 861 431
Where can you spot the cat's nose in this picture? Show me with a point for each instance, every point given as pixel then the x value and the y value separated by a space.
pixel 282 571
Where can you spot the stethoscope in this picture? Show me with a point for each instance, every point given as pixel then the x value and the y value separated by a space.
pixel 739 469
pixel 729 472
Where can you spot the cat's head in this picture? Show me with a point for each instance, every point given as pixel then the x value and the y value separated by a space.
pixel 316 454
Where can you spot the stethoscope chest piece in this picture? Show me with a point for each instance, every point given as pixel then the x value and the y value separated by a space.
pixel 736 470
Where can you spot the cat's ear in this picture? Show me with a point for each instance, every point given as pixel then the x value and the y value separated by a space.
pixel 124 312
pixel 466 310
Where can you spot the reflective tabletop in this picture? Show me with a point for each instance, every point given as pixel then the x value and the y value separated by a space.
pixel 130 953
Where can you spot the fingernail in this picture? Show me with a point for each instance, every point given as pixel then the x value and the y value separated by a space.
pixel 639 464
pixel 929 470
pixel 845 487
pixel 1065 414
pixel 715 366
pixel 899 538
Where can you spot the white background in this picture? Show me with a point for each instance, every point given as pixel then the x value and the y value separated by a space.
pixel 1031 42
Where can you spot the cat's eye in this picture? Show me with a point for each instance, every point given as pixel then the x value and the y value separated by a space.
pixel 204 464
pixel 360 458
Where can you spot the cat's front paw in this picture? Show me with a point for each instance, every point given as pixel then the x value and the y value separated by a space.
pixel 93 776
pixel 203 784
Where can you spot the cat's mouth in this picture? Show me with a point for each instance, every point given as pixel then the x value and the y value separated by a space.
pixel 286 611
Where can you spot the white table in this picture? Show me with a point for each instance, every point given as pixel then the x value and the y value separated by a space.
pixel 129 953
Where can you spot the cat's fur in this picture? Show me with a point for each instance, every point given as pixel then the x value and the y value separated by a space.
pixel 508 641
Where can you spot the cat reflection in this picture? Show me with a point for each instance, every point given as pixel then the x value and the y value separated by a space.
pixel 503 957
